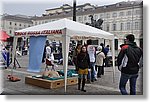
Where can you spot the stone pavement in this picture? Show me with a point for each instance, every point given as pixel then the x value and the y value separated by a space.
pixel 103 86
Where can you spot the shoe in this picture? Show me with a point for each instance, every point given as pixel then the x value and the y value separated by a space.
pixel 95 79
pixel 88 82
pixel 83 90
pixel 92 80
pixel 99 76
pixel 83 85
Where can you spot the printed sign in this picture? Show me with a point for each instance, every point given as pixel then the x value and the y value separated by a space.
pixel 34 33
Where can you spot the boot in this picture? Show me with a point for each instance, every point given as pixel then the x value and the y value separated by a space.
pixel 79 82
pixel 99 72
pixel 83 84
pixel 88 81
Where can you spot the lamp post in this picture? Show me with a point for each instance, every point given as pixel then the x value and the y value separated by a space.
pixel 74 10
pixel 132 16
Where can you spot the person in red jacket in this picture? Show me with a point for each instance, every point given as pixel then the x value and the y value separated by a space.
pixel 129 60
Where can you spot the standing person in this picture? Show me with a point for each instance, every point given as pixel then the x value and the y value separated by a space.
pixel 107 57
pixel 92 54
pixel 103 50
pixel 129 58
pixel 5 54
pixel 75 54
pixel 44 55
pixel 107 48
pixel 49 54
pixel 100 56
pixel 83 62
pixel 25 50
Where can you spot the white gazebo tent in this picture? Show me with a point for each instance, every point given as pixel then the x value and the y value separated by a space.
pixel 65 29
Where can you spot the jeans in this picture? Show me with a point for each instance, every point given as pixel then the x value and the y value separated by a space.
pixel 123 81
pixel 91 74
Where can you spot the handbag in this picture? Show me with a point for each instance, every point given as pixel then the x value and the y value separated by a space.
pixel 123 63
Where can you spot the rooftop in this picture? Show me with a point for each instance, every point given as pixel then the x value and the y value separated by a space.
pixel 96 9
pixel 19 18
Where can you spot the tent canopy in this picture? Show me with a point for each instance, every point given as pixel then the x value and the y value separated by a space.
pixel 64 29
pixel 4 35
pixel 56 28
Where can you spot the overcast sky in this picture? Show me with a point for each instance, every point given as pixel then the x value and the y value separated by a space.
pixel 38 7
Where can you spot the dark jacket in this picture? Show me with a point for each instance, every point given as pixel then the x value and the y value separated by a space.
pixel 134 53
pixel 83 60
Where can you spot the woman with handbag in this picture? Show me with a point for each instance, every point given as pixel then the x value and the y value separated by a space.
pixel 83 62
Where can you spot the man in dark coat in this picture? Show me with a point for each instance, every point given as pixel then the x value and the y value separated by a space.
pixel 128 63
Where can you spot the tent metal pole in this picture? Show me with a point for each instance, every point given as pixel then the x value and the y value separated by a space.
pixel 113 59
pixel 65 47
pixel 14 54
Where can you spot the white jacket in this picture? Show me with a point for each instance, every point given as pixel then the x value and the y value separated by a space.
pixel 100 56
pixel 91 52
pixel 49 54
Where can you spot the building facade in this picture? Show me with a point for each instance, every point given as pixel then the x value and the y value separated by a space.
pixel 11 23
pixel 119 19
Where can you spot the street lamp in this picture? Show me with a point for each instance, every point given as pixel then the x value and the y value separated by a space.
pixel 132 15
pixel 74 10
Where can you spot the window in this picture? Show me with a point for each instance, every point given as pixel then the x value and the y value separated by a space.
pixel 121 14
pixel 137 12
pixel 114 15
pixel 108 15
pixel 80 19
pixel 10 31
pixel 136 25
pixel 20 25
pixel 101 15
pixel 15 24
pixel 10 23
pixel 121 26
pixel 52 20
pixel 107 27
pixel 96 17
pixel 15 28
pixel 89 18
pixel 128 25
pixel 85 18
pixel 114 27
pixel 128 13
